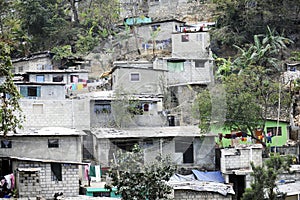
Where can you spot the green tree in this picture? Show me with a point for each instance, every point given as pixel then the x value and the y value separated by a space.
pixel 58 23
pixel 10 111
pixel 253 87
pixel 267 50
pixel 135 179
pixel 239 20
pixel 251 98
pixel 264 177
pixel 124 108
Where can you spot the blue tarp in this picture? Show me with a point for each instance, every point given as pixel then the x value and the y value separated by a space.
pixel 214 176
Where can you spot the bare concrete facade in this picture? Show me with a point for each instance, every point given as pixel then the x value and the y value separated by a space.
pixel 157 35
pixel 44 161
pixel 34 178
pixel 46 143
pixel 196 195
pixel 184 71
pixel 38 91
pixel 191 45
pixel 39 61
pixel 70 113
pixel 137 78
pixel 113 112
pixel 236 165
pixel 184 146
pixel 239 158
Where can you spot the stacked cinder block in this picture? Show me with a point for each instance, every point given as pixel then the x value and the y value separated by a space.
pixel 196 195
pixel 32 183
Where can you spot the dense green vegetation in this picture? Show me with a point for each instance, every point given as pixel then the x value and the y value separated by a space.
pixel 76 27
pixel 10 111
pixel 253 88
pixel 68 27
pixel 135 179
pixel 263 185
pixel 239 20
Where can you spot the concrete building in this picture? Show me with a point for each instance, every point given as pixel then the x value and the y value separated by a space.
pixel 191 45
pixel 182 143
pixel 155 36
pixel 107 109
pixel 68 113
pixel 189 194
pixel 46 87
pixel 42 91
pixel 137 77
pixel 185 71
pixel 39 161
pixel 45 61
pixel 189 70
pixel 236 167
pixel 47 84
pixel 289 182
pixel 37 72
pixel 200 185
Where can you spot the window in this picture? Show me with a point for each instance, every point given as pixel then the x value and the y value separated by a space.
pixel 102 108
pixel 6 144
pixel 48 67
pixel 155 27
pixel 33 92
pixel 146 107
pixel 200 37
pixel 53 143
pixel 40 78
pixel 200 63
pixel 74 78
pixel 40 67
pixel 20 69
pixel 30 91
pixel 134 77
pixel 185 146
pixel 58 78
pixel 135 109
pixel 56 172
pixel 148 142
pixel 273 130
pixel 184 38
pixel 175 66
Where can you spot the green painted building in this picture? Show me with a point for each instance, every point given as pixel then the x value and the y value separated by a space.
pixel 270 127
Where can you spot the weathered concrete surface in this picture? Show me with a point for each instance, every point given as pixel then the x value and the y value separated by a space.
pixel 79 197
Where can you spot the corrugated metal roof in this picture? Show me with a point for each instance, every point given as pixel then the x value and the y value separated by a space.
pixel 148 132
pixel 47 161
pixel 290 188
pixel 48 131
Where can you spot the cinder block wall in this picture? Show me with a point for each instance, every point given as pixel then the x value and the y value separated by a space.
pixel 66 113
pixel 240 158
pixel 194 195
pixel 40 182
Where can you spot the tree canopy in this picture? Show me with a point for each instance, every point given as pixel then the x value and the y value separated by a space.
pixel 10 111
pixel 264 179
pixel 252 85
pixel 239 20
pixel 43 25
pixel 135 179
